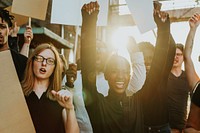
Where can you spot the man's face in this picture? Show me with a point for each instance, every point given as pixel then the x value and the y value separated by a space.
pixel 178 59
pixel 118 75
pixel 148 57
pixel 101 56
pixel 4 31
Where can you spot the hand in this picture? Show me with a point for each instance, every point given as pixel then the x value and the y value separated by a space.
pixel 91 7
pixel 28 35
pixel 64 98
pixel 71 73
pixel 194 21
pixel 162 20
pixel 132 46
pixel 14 31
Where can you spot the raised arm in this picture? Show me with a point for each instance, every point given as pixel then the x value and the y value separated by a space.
pixel 65 99
pixel 193 122
pixel 13 38
pixel 189 66
pixel 88 51
pixel 163 56
pixel 138 75
pixel 28 36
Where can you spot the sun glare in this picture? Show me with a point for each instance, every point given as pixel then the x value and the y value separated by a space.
pixel 119 39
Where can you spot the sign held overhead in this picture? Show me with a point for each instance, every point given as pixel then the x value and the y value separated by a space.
pixel 30 8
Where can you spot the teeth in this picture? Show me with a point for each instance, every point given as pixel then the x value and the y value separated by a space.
pixel 120 84
pixel 43 70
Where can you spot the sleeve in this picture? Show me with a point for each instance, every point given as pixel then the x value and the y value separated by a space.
pixel 20 63
pixel 162 62
pixel 13 43
pixel 88 57
pixel 80 110
pixel 138 75
pixel 196 96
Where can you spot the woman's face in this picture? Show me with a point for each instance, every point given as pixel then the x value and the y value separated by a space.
pixel 118 75
pixel 44 64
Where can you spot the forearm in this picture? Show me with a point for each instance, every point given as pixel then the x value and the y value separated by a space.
pixel 138 75
pixel 161 63
pixel 189 43
pixel 189 66
pixel 71 125
pixel 88 54
pixel 25 49
pixel 162 60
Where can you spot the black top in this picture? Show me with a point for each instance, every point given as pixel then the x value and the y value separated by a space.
pixel 13 43
pixel 46 114
pixel 155 104
pixel 178 91
pixel 20 63
pixel 118 113
pixel 196 96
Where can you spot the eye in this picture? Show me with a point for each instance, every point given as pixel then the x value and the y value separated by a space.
pixel 51 61
pixel 114 71
pixel 3 26
pixel 39 58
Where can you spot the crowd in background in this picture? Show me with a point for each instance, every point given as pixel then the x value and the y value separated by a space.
pixel 109 94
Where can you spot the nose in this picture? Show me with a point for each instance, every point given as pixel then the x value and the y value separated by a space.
pixel 44 62
pixel 121 74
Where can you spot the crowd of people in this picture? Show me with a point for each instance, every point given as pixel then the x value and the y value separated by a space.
pixel 148 94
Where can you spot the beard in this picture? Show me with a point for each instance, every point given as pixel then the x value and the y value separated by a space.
pixel 1 45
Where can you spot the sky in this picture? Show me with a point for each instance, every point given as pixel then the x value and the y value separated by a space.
pixel 179 32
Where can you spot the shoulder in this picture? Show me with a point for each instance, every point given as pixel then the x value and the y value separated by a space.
pixel 196 95
pixel 17 56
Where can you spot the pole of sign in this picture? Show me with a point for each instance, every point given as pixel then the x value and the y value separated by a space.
pixel 76 43
pixel 62 36
pixel 154 33
pixel 29 24
pixel 29 21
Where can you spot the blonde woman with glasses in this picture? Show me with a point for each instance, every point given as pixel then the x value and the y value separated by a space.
pixel 47 103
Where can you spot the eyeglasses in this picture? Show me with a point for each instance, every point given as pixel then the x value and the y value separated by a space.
pixel 178 54
pixel 49 61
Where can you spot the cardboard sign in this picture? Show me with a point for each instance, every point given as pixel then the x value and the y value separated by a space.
pixel 18 18
pixel 68 12
pixel 14 113
pixel 31 8
pixel 142 13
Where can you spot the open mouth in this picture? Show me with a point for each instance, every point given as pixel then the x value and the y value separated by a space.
pixel 42 70
pixel 120 84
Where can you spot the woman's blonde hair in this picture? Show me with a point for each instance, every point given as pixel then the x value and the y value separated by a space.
pixel 29 76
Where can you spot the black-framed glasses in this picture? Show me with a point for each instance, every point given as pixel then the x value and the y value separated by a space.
pixel 179 54
pixel 49 61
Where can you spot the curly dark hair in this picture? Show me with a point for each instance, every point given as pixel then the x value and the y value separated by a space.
pixel 5 16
